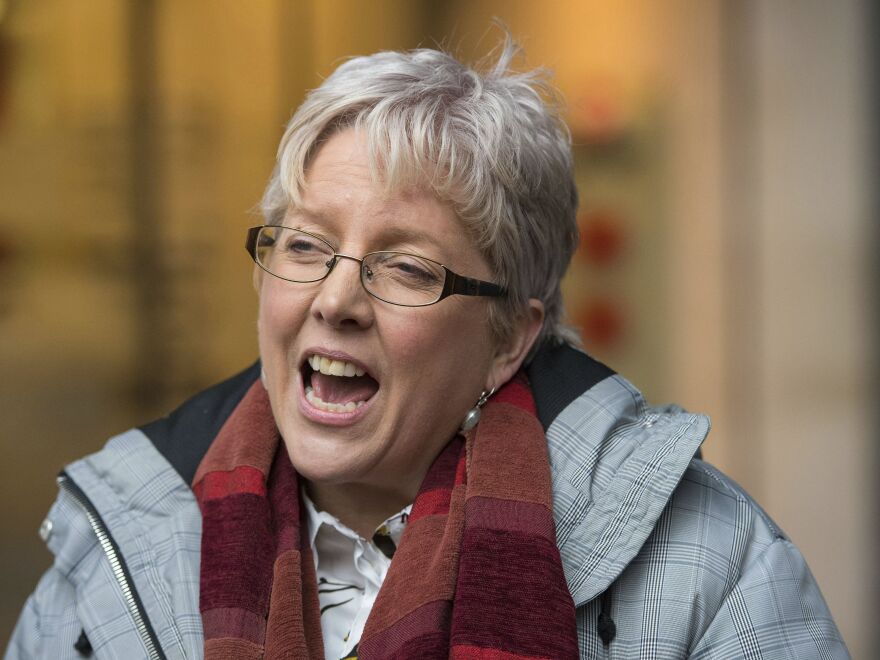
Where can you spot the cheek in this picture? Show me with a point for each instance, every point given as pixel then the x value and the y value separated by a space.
pixel 450 347
pixel 279 318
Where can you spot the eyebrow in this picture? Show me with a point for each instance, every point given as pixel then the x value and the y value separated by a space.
pixel 389 236
pixel 309 214
pixel 398 234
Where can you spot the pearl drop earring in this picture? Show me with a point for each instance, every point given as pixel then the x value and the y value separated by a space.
pixel 473 415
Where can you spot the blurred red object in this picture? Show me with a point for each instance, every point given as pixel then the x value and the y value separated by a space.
pixel 599 115
pixel 603 322
pixel 602 236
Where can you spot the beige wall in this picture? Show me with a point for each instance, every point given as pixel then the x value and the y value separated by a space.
pixel 816 254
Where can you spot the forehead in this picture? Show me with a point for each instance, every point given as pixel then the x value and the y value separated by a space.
pixel 344 195
pixel 342 170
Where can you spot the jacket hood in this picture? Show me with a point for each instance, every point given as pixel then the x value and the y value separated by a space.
pixel 615 463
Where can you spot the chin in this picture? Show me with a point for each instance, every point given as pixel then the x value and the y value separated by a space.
pixel 318 457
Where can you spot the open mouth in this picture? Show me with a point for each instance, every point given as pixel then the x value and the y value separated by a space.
pixel 336 386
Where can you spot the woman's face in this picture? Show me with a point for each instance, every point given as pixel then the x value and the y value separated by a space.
pixel 425 367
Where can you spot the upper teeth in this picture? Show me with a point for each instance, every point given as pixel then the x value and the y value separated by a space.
pixel 334 367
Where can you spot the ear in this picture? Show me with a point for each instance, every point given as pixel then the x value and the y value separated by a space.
pixel 509 358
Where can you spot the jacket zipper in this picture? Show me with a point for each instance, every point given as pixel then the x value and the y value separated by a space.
pixel 117 564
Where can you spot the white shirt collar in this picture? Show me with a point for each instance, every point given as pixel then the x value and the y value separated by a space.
pixel 350 572
pixel 393 526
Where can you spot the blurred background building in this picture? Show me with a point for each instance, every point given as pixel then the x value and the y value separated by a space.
pixel 726 262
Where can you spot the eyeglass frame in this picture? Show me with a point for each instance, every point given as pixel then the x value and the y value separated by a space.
pixel 453 283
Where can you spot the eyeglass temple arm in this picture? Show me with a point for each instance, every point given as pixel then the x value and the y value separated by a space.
pixel 468 286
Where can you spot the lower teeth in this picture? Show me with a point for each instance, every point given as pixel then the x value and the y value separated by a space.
pixel 329 406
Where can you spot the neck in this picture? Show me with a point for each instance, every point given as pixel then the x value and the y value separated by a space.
pixel 360 507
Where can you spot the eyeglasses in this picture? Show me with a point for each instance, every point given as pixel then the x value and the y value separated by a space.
pixel 398 278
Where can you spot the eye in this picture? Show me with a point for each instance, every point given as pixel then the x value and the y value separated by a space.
pixel 411 269
pixel 408 270
pixel 299 246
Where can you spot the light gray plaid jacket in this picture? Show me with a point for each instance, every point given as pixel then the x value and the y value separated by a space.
pixel 672 556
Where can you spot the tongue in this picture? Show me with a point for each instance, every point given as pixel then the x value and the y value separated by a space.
pixel 342 389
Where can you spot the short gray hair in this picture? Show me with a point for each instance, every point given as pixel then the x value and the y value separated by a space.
pixel 490 143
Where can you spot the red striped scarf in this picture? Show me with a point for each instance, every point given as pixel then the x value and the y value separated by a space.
pixel 477 573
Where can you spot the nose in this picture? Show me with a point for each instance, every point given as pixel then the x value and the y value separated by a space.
pixel 341 300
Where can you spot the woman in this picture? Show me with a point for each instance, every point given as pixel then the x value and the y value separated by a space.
pixel 418 398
